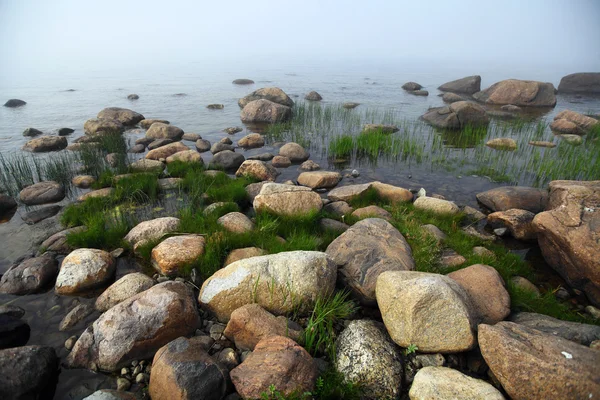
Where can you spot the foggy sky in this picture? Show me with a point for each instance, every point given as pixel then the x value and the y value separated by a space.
pixel 79 34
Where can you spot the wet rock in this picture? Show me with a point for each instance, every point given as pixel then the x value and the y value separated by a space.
pixel 581 82
pixel 159 130
pixel 524 284
pixel 187 156
pixel 419 92
pixel 448 383
pixel 227 160
pixel 33 217
pixel 7 204
pixel 511 108
pixel 13 332
pixel 105 192
pixel 319 179
pixel 538 143
pixel 29 276
pixel 12 103
pixel 166 151
pixel 42 193
pixel 243 82
pixel 145 141
pixel 287 200
pixel 74 316
pixel 518 93
pixel 379 128
pixel 215 106
pixel 530 364
pixel 251 141
pixel 583 334
pixel 191 137
pixel 155 144
pixel 57 243
pixel 46 143
pixel 176 252
pixel 271 94
pixel 220 146
pixel 233 130
pixel 27 372
pixel 147 123
pixel 236 222
pixel 349 192
pixel 278 282
pixel 153 229
pixel 280 162
pixel 241 254
pixel 251 323
pixel 132 96
pixel 520 197
pixel 411 86
pixel 568 234
pixel 84 269
pixel 136 328
pixel 99 126
pixel 309 165
pixel 313 96
pixel 83 181
pixel 182 369
pixel 485 287
pixel 452 98
pixel 366 250
pixel 294 152
pixel 468 85
pixel 258 170
pixel 366 356
pixel 265 111
pixel 394 194
pixel 202 145
pixel 571 122
pixel 11 311
pixel 574 140
pixel 123 115
pixel 32 132
pixel 262 157
pixel 145 165
pixel 350 105
pixel 517 221
pixel 277 361
pixel 126 287
pixel 448 315
pixel 437 206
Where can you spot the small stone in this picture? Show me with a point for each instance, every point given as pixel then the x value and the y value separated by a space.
pixel 483 252
pixel 123 384
pixel 593 311
pixel 141 378
pixel 525 284
pixel 451 259
pixel 500 231
pixel 70 342
pixel 281 162
pixel 124 371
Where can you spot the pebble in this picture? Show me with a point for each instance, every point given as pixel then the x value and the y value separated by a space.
pixel 162 279
pixel 135 363
pixel 593 311
pixel 562 294
pixel 141 378
pixel 124 371
pixel 123 384
pixel 500 231
pixel 355 173
pixel 70 342
pixel 137 370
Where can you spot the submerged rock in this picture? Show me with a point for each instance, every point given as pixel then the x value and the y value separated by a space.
pixel 215 106
pixel 468 85
pixel 379 128
pixel 571 122
pixel 35 216
pixel 243 81
pixel 27 372
pixel 265 111
pixel 7 204
pixel 411 86
pixel 42 193
pixel 519 93
pixel 84 269
pixel 581 82
pixel 32 132
pixel 447 383
pixel 30 276
pixel 271 94
pixel 287 200
pixel 313 96
pixel 350 105
pixel 508 197
pixel 46 143
pixel 14 103
pixel 57 243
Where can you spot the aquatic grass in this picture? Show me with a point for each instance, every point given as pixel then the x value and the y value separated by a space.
pixel 138 188
pixel 101 232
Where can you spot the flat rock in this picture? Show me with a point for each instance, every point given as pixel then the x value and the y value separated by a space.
pixel 372 212
pixel 159 130
pixel 379 128
pixel 583 334
pixel 520 197
pixel 147 123
pixel 437 206
pixel 35 216
pixel 243 81
pixel 42 193
pixel 166 151
pixel 145 165
pixel 338 208
pixel 227 160
pixel 155 144
pixel 502 144
pixel 105 192
pixel 126 287
pixel 187 156
pixel 171 255
pixel 83 181
pixel 349 192
pixel 519 93
pixel 319 179
pixel 100 126
pixel 468 85
pixel 46 143
pixel 123 115
pixel 73 317
pixel 83 270
pixel 447 383
pixel 287 200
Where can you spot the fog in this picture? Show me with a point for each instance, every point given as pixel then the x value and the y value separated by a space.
pixel 63 36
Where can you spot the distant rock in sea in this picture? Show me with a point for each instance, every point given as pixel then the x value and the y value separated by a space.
pixel 243 82
pixel 14 103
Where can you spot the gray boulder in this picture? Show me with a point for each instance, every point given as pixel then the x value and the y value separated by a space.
pixel 126 287
pixel 29 276
pixel 411 86
pixel 243 81
pixel 313 96
pixel 97 126
pixel 273 94
pixel 580 333
pixel 42 193
pixel 582 82
pixel 468 85
pixel 265 111
pixel 457 115
pixel 32 132
pixel 226 160
pixel 27 372
pixel 12 103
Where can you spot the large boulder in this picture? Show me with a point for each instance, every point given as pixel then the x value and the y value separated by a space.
pixel 236 222
pixel 446 383
pixel 147 123
pixel 29 276
pixel 366 356
pixel 83 270
pixel 468 85
pixel 12 103
pixel 533 365
pixel 349 192
pixel 520 197
pixel 97 126
pixel 313 96
pixel 265 111
pixel 183 370
pixel 430 311
pixel 171 255
pixel 166 151
pixel 319 179
pixel 159 130
pixel 294 152
pixel 27 372
pixel 411 86
pixel 126 287
pixel 46 143
pixel 393 194
pixel 272 94
pixel 583 334
pixel 151 230
pixel 366 250
pixel 42 193
pixel 486 288
pixel 257 170
pixel 581 82
pixel 136 328
pixel 123 115
pixel 279 283
pixel 457 115
pixel 568 234
pixel 287 200
pixel 277 362
pixel 252 141
pixel 518 93
pixel 571 122
pixel 251 323
pixel 226 160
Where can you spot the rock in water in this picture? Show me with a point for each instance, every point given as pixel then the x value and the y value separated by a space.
pixel 265 111
pixel 468 85
pixel 447 383
pixel 123 115
pixel 14 103
pixel 14 331
pixel 508 197
pixel 313 96
pixel 226 160
pixel 27 372
pixel 29 276
pixel 147 123
pixel 166 151
pixel 45 143
pixel 42 193
pixel 98 126
pixel 582 82
pixel 366 356
pixel 243 81
pixel 366 250
pixel 518 93
pixel 435 205
pixel 287 200
pixel 458 115
pixel 279 283
pixel 159 130
pixel 257 170
pixel 32 132
pixel 136 328
pixel 251 141
pixel 272 94
pixel 532 365
pixel 411 86
pixel 84 269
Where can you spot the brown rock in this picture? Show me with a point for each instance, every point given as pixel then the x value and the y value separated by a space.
pixel 319 179
pixel 392 193
pixel 451 259
pixel 187 156
pixel 338 208
pixel 147 123
pixel 294 152
pixel 166 151
pixel 265 111
pixel 277 361
pixel 84 269
pixel 287 200
pixel 29 276
pixel 258 170
pixel 349 192
pixel 521 197
pixel 525 284
pixel 372 212
pixel 566 127
pixel 46 143
pixel 502 144
pixel 281 162
pixel 42 193
pixel 83 181
pixel 105 192
pixel 584 122
pixel 236 222
pixel 309 165
pixel 542 143
pixel 240 254
pixel 159 130
pixel 273 94
pixel 251 141
pixel 176 252
pixel 518 93
pixel 124 288
pixel 517 221
pixel 379 128
pixel 468 85
pixel 532 365
pixel 123 115
pixel 98 126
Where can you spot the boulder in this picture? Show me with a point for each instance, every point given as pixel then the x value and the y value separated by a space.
pixel 32 132
pixel 485 287
pixel 166 151
pixel 581 82
pixel 468 85
pixel 251 141
pixel 265 111
pixel 294 152
pixel 393 194
pixel 57 243
pixel 236 222
pixel 191 137
pixel 280 162
pixel 257 170
pixel 568 234
pixel 452 98
pixel 226 160
pixel 279 283
pixel 105 192
pixel 532 365
pixel 372 212
pixel 170 183
pixel 183 370
pixel 251 323
pixel 313 96
pixel 525 285
pixel 12 103
pixel 319 179
pixel 379 128
pixel 187 156
pixel 287 200
pixel 333 225
pixel 123 115
pixel 243 81
pixel 83 181
pixel 309 165
pixel 126 287
pixel 145 165
pixel 42 193
pixel 411 86
pixel 583 123
pixel 566 127
pixel 253 189
pixel 215 106
pixel 29 276
pixel 241 254
pixel 447 383
pixel 136 328
pixel 159 130
pixel 84 269
pixel 272 94
pixel 147 123
pixel 155 144
pixel 221 146
pixel 28 372
pixel 508 197
pixel 435 205
pixel 583 334
pixel 202 145
pixel 171 255
pixel 517 221
pixel 349 192
pixel 366 356
pixel 262 157
pixel 338 208
pixel 35 216
pixel 457 115
pixel 366 250
pixel 76 315
pixel 46 143
pixel 277 362
pixel 430 311
pixel 151 230
pixel 98 126
pixel 518 93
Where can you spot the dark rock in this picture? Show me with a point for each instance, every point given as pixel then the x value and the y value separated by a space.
pixel 33 217
pixel 133 97
pixel 220 146
pixel 13 332
pixel 28 372
pixel 215 106
pixel 411 86
pixel 202 145
pixel 46 143
pixel 65 131
pixel 262 157
pixel 468 85
pixel 11 311
pixel 159 143
pixel 14 103
pixel 7 204
pixel 580 333
pixel 313 96
pixel 227 160
pixel 243 82
pixel 138 148
pixel 32 132
pixel 419 92
pixel 233 130
pixel 582 82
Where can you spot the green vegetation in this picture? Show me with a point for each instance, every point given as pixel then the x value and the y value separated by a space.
pixel 411 349
pixel 329 386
